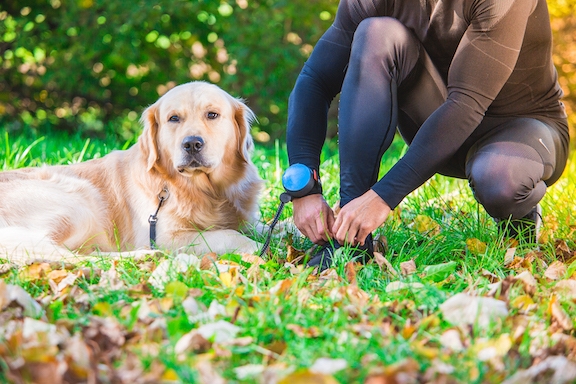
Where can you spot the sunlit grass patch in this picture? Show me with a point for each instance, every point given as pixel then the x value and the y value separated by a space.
pixel 236 318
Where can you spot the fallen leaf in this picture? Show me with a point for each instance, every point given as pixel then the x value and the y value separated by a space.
pixel 555 271
pixel 383 262
pixel 559 315
pixel 220 331
pixel 208 374
pixel 328 366
pixel 351 269
pixel 408 267
pixel 427 352
pixel 301 331
pixel 282 287
pixel 405 371
pixel 400 285
pixel 249 371
pixel 528 281
pixel 426 225
pixel 57 275
pixel 566 288
pixel 4 295
pixel 294 255
pixel 523 303
pixel 17 294
pixel 35 271
pixel 230 278
pixel 438 373
pixel 493 348
pixel 563 251
pixel 208 261
pixel 110 279
pixel 476 246
pixel 555 369
pixel 176 290
pixel 509 256
pixel 252 259
pixel 5 268
pixel 307 377
pixel 79 359
pixel 169 270
pixel 462 309
pixel 451 340
pixel 192 341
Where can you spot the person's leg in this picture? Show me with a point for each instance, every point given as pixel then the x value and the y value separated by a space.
pixel 509 170
pixel 390 81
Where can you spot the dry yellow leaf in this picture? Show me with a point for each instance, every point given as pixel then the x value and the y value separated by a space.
pixel 408 330
pixel 228 279
pixel 493 348
pixel 282 287
pixel 429 353
pixel 252 259
pixel 35 271
pixel 294 255
pixel 523 303
pixel 426 225
pixel 308 377
pixel 476 246
pixel 57 275
pixel 170 375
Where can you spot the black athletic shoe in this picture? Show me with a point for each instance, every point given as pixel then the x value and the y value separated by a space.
pixel 526 229
pixel 323 259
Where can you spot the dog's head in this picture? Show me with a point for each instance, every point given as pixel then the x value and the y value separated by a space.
pixel 196 127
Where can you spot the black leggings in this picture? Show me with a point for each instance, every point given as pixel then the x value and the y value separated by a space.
pixel 509 161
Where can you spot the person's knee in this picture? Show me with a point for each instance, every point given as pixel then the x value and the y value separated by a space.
pixel 378 38
pixel 504 189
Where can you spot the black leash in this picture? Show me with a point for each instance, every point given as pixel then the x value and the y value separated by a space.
pixel 298 181
pixel 284 198
pixel 153 219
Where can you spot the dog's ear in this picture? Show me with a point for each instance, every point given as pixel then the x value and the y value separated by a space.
pixel 244 118
pixel 147 140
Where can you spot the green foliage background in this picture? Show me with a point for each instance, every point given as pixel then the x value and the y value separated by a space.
pixel 94 65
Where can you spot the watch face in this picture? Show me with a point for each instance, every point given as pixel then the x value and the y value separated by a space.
pixel 298 180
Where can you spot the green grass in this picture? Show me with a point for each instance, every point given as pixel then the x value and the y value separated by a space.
pixel 287 318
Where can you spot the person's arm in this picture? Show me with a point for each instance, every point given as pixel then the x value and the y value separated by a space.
pixel 318 83
pixel 484 60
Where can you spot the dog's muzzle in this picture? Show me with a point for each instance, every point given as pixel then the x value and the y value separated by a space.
pixel 192 147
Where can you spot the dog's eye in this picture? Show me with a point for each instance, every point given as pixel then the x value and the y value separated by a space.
pixel 174 119
pixel 212 115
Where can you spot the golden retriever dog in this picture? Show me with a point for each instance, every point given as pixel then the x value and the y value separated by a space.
pixel 188 182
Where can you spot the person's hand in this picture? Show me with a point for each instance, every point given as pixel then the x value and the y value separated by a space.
pixel 314 218
pixel 360 217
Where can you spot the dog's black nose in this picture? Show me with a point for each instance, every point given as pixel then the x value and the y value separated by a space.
pixel 192 144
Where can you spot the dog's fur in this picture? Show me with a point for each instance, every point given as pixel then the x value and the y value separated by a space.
pixel 104 204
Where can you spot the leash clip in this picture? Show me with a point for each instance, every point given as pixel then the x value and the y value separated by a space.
pixel 153 219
